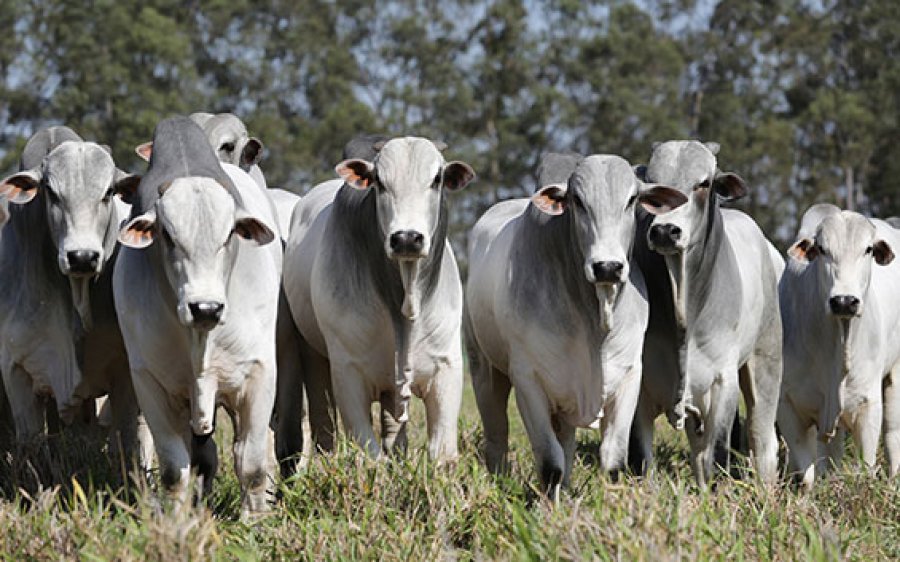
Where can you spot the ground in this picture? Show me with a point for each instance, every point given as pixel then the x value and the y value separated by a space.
pixel 346 506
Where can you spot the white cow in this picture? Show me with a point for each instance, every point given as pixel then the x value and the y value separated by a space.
pixel 557 309
pixel 374 289
pixel 196 290
pixel 841 340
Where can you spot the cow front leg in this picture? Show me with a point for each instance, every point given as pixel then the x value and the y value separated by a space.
pixel 442 403
pixel 640 442
pixel 254 442
pixel 26 407
pixel 891 395
pixel 354 404
pixel 123 409
pixel 289 396
pixel 492 388
pixel 718 415
pixel 866 429
pixel 760 382
pixel 549 455
pixel 618 415
pixel 800 436
pixel 319 397
pixel 393 432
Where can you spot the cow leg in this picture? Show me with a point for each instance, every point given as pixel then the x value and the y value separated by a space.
pixel 26 407
pixel 319 397
pixel 355 405
pixel 492 389
pixel 254 443
pixel 866 429
pixel 565 434
pixel 760 381
pixel 718 418
pixel 891 395
pixel 393 433
pixel 442 403
pixel 548 452
pixel 801 442
pixel 289 396
pixel 170 427
pixel 123 409
pixel 640 442
pixel 619 413
pixel 830 453
pixel 205 460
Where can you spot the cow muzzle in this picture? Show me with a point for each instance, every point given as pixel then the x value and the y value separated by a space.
pixel 83 262
pixel 608 272
pixel 664 238
pixel 407 244
pixel 844 306
pixel 206 315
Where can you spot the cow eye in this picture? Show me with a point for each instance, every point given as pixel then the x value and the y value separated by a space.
pixel 437 181
pixel 631 201
pixel 870 249
pixel 227 147
pixel 52 196
pixel 107 197
pixel 703 184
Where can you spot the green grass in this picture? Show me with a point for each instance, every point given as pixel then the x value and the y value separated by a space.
pixel 344 505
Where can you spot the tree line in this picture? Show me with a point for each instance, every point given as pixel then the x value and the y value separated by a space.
pixel 803 95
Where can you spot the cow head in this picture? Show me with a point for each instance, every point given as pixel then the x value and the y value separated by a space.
pixel 844 247
pixel 600 199
pixel 197 226
pixel 76 182
pixel 407 175
pixel 690 167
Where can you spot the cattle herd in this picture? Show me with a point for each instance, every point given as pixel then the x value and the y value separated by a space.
pixel 611 296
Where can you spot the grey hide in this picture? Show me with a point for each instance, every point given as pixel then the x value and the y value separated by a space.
pixel 714 325
pixel 196 290
pixel 374 289
pixel 841 314
pixel 556 310
pixel 61 338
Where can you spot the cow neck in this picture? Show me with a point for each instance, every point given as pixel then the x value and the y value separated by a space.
pixel 694 275
pixel 547 254
pixel 402 288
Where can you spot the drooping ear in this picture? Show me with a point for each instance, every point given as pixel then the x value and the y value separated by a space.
pixel 125 185
pixel 356 173
pixel 252 152
pixel 660 199
pixel 729 186
pixel 22 187
pixel 641 172
pixel 551 199
pixel 139 232
pixel 253 229
pixel 882 252
pixel 457 175
pixel 712 147
pixel 144 150
pixel 803 250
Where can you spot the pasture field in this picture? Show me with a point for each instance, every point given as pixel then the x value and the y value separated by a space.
pixel 345 506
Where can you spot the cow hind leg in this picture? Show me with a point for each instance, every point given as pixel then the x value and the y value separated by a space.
pixel 123 430
pixel 891 395
pixel 26 407
pixel 204 461
pixel 319 397
pixel 288 416
pixel 640 439
pixel 442 404
pixel 492 389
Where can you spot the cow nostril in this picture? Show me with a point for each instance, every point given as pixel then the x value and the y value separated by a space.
pixel 83 261
pixel 206 312
pixel 674 232
pixel 608 271
pixel 407 242
pixel 664 235
pixel 844 305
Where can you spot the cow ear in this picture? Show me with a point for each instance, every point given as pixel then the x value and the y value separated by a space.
pixel 125 185
pixel 803 250
pixel 641 172
pixel 729 186
pixel 22 187
pixel 356 173
pixel 252 152
pixel 551 199
pixel 660 199
pixel 882 252
pixel 457 175
pixel 253 229
pixel 138 232
pixel 144 150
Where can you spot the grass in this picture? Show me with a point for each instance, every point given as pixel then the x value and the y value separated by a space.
pixel 346 506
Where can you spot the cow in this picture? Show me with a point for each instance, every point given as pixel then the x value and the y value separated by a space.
pixel 841 340
pixel 374 289
pixel 557 310
pixel 61 338
pixel 714 327
pixel 196 290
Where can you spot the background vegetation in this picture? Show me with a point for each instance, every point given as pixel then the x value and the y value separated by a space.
pixel 803 95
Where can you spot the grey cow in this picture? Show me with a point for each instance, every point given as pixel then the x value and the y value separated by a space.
pixel 841 341
pixel 714 325
pixel 375 292
pixel 196 291
pixel 557 310
pixel 61 338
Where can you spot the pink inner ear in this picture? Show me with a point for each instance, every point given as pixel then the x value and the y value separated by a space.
pixel 550 200
pixel 803 251
pixel 144 150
